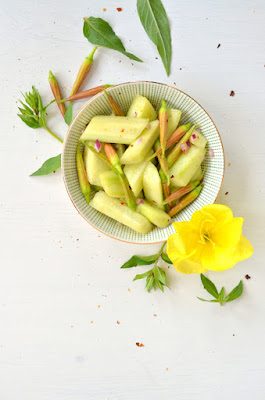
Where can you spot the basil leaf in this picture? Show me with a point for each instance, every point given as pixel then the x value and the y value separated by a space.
pixel 135 261
pixel 99 32
pixel 165 257
pixel 210 301
pixel 236 292
pixel 48 166
pixel 141 276
pixel 209 286
pixel 69 114
pixel 155 22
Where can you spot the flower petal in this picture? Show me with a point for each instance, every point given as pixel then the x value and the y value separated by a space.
pixel 244 249
pixel 189 266
pixel 227 234
pixel 212 212
pixel 218 258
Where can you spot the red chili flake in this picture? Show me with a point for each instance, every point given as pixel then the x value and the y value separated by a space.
pixel 153 201
pixel 104 9
pixel 139 344
pixel 248 277
pixel 119 9
pixel 229 164
pixel 232 93
pixel 122 130
pixel 122 204
pixel 131 145
pixel 219 45
pixel 118 322
pixel 172 176
pixel 226 193
pixel 154 315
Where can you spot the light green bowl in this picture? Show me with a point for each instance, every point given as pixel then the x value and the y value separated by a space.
pixel 123 94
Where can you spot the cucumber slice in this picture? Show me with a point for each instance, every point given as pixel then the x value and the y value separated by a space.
pixel 134 173
pixel 152 186
pixel 155 215
pixel 115 209
pixel 142 108
pixel 111 184
pixel 94 166
pixel 110 129
pixel 198 175
pixel 198 139
pixel 139 149
pixel 173 120
pixel 186 166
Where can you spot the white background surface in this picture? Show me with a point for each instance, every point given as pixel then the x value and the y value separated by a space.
pixel 56 270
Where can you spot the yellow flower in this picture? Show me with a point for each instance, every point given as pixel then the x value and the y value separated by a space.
pixel 212 239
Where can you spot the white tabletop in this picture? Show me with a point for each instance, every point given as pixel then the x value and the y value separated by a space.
pixel 61 287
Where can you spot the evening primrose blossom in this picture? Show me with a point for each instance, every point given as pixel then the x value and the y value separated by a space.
pixel 211 240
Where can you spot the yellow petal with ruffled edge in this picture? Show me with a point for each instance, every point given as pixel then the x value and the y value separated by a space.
pixel 244 249
pixel 216 212
pixel 184 261
pixel 218 258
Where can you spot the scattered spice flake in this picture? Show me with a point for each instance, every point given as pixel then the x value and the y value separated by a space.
pixel 153 201
pixel 129 290
pixel 104 9
pixel 98 306
pixel 154 315
pixel 119 9
pixel 188 143
pixel 166 369
pixel 88 284
pixel 118 322
pixel 234 334
pixel 229 164
pixel 226 193
pixel 172 176
pixel 139 344
pixel 122 204
pixel 211 152
pixel 91 322
pixel 193 136
pixel 247 276
pixel 122 130
pixel 219 45
pixel 232 93
pixel 180 69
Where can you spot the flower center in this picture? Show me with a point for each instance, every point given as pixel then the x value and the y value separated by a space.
pixel 204 234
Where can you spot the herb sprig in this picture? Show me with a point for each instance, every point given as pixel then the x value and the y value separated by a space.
pixel 155 277
pixel 219 297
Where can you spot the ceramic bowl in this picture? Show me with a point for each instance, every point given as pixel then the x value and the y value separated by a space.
pixel 123 94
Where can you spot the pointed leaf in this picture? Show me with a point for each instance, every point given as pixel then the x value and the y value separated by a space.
pixel 135 261
pixel 69 114
pixel 236 292
pixel 48 166
pixel 141 276
pixel 221 294
pixel 149 282
pixel 210 301
pixel 209 286
pixel 165 258
pixel 31 122
pixel 155 22
pixel 99 32
pixel 161 276
pixel 160 286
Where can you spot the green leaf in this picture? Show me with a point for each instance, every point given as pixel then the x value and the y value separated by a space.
pixel 160 286
pixel 135 261
pixel 155 22
pixel 209 286
pixel 30 121
pixel 99 32
pixel 165 257
pixel 210 301
pixel 236 292
pixel 48 166
pixel 69 114
pixel 160 275
pixel 221 294
pixel 141 276
pixel 150 282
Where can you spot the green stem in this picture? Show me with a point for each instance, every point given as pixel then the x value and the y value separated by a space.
pixel 159 254
pixel 53 134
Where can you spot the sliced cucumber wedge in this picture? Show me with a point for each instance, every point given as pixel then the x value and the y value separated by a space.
pixel 186 166
pixel 198 175
pixel 142 108
pixel 173 120
pixel 94 166
pixel 155 215
pixel 119 211
pixel 112 129
pixel 111 184
pixel 198 139
pixel 139 148
pixel 152 186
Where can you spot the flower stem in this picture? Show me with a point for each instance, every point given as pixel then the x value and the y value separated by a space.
pixel 53 134
pixel 159 254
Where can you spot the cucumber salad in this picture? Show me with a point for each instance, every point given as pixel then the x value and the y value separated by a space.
pixel 143 168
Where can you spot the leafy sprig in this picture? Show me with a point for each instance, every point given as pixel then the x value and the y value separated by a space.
pixel 33 113
pixel 155 277
pixel 219 297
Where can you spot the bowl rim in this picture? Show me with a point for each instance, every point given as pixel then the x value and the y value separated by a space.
pixel 77 115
